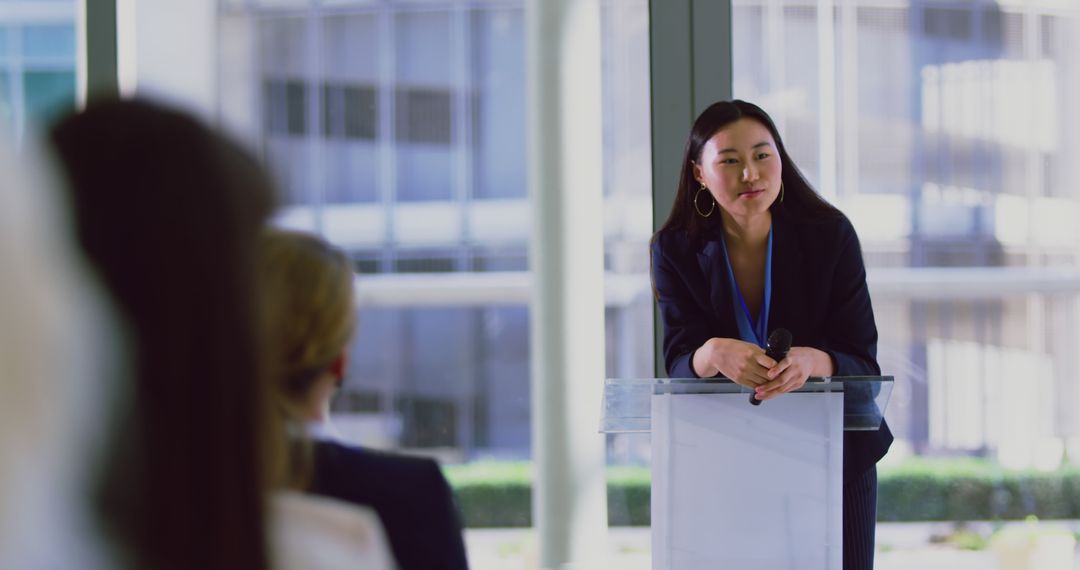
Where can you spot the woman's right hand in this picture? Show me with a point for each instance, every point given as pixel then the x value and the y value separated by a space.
pixel 742 362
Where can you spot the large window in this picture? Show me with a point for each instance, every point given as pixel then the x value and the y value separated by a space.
pixel 398 131
pixel 37 64
pixel 946 132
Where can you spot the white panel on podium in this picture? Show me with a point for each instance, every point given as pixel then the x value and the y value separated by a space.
pixel 747 487
pixel 744 487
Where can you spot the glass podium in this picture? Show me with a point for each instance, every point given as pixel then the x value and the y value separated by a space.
pixel 742 486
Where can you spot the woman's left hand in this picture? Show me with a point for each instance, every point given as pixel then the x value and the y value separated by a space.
pixel 791 373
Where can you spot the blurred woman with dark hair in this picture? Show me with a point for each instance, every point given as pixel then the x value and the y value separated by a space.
pixel 169 211
pixel 308 294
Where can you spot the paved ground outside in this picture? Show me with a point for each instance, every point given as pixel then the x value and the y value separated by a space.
pixel 901 546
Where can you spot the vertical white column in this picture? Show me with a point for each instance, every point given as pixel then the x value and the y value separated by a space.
pixel 1032 50
pixel 1060 343
pixel 826 36
pixel 313 139
pixel 240 91
pixel 563 81
pixel 774 46
pixel 167 50
pixel 1070 349
pixel 1055 385
pixel 848 122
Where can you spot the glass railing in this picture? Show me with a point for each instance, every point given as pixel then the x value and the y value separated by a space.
pixel 627 403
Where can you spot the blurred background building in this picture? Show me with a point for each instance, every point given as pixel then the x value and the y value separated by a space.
pixel 942 129
pixel 397 129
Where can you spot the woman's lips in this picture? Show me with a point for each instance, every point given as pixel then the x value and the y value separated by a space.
pixel 751 194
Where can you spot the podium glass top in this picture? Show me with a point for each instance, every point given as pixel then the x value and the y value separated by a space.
pixel 628 403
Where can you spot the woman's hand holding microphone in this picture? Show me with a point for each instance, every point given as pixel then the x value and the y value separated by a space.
pixel 747 365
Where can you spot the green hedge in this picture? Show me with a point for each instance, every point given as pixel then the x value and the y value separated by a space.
pixel 498 494
pixel 957 489
pixel 493 494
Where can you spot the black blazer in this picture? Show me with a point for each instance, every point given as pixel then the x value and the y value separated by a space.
pixel 818 293
pixel 410 495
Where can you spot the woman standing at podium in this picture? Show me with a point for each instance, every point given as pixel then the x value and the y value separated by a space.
pixel 750 247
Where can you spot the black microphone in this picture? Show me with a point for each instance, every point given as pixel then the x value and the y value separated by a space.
pixel 776 348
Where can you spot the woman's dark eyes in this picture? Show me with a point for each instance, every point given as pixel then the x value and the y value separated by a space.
pixel 760 156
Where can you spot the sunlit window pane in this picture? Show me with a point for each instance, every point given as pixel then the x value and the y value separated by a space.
pixel 425 61
pixel 52 42
pixel 48 94
pixel 499 97
pixel 948 151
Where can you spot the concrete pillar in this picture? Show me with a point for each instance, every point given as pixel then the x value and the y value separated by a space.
pixel 563 82
pixel 95 68
pixel 690 68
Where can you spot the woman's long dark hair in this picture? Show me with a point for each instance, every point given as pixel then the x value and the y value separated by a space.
pixel 800 199
pixel 168 212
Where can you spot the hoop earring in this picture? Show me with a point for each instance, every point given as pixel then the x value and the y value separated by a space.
pixel 698 208
pixel 781 192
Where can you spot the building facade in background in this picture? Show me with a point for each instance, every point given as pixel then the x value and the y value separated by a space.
pixel 941 128
pixel 948 137
pixel 397 130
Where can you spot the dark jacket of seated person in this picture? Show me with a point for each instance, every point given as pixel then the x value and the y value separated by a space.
pixel 410 495
pixel 309 310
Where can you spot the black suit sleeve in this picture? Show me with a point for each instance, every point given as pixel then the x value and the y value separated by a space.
pixel 442 501
pixel 412 498
pixel 852 344
pixel 852 337
pixel 685 327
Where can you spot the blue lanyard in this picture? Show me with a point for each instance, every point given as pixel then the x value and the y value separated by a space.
pixel 751 330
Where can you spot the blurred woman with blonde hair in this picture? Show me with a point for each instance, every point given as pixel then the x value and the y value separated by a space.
pixel 307 286
pixel 307 291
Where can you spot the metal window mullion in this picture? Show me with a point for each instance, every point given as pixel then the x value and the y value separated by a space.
pixel 260 97
pixel 690 52
pixel 9 66
pixel 387 135
pixel 97 49
pixel 461 128
pixel 9 87
pixel 45 12
pixel 606 111
pixel 313 85
pixel 18 85
pixel 774 49
pixel 827 116
pixel 849 101
pixel 1070 350
pixel 1036 341
pixel 48 62
pixel 392 386
pixel 711 56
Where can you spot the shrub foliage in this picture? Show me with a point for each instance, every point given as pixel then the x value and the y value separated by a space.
pixel 499 494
